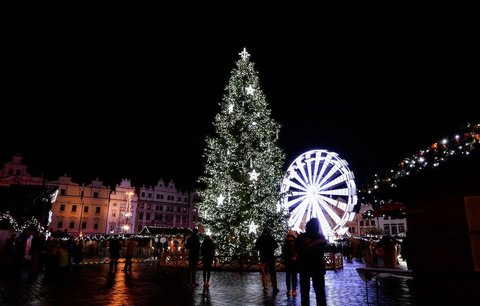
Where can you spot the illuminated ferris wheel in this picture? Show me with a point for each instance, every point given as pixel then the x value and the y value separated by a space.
pixel 319 184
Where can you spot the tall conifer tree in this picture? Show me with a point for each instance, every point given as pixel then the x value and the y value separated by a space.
pixel 240 188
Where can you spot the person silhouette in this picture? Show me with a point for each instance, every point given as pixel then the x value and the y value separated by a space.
pixel 267 245
pixel 193 247
pixel 289 256
pixel 208 254
pixel 311 262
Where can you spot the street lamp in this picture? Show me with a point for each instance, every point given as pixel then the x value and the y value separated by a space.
pixel 128 212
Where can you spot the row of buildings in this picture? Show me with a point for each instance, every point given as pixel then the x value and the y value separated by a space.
pixel 93 209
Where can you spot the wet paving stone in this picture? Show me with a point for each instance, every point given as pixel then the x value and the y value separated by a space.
pixel 148 284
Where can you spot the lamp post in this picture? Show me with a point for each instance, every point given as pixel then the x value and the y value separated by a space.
pixel 128 212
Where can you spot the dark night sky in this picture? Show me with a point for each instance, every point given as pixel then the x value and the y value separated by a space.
pixel 124 91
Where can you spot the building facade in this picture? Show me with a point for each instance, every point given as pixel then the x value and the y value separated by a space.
pixel 164 206
pixel 94 209
pixel 79 209
pixel 15 173
pixel 122 209
pixel 23 197
pixel 367 222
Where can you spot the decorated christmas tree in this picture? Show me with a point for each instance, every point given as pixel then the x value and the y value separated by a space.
pixel 240 188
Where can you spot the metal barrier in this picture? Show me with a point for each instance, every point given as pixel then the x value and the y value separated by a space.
pixel 333 261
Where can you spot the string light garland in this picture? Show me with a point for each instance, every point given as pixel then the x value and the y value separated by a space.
pixel 29 224
pixel 437 153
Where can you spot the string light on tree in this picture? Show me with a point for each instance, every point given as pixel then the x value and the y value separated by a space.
pixel 244 134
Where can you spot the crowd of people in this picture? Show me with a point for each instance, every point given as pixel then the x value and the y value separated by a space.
pixel 302 255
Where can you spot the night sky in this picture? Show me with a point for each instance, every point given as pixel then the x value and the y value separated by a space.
pixel 131 92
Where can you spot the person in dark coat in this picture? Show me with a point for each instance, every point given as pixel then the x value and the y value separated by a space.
pixel 10 250
pixel 311 262
pixel 115 248
pixel 193 247
pixel 267 245
pixel 289 256
pixel 208 254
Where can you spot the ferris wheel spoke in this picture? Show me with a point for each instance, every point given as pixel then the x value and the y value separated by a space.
pixel 291 203
pixel 328 200
pixel 340 179
pixel 328 209
pixel 325 164
pixel 293 184
pixel 337 203
pixel 325 225
pixel 338 192
pixel 298 178
pixel 316 167
pixel 304 179
pixel 299 212
pixel 333 170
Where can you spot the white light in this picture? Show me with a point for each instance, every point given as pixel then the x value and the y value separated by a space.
pixel 253 175
pixel 444 141
pixel 220 199
pixel 244 54
pixel 279 206
pixel 250 90
pixel 252 228
pixel 230 108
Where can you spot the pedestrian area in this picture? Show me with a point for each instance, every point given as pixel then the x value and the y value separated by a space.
pixel 150 284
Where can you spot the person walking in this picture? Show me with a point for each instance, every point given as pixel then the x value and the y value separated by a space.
pixel 289 256
pixel 10 250
pixel 193 247
pixel 311 262
pixel 129 253
pixel 115 248
pixel 77 255
pixel 208 254
pixel 267 245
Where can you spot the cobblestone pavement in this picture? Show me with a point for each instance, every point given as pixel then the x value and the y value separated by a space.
pixel 148 284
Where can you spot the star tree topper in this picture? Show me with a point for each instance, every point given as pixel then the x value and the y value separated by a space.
pixel 244 54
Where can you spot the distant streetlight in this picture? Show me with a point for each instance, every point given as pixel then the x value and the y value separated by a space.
pixel 128 212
